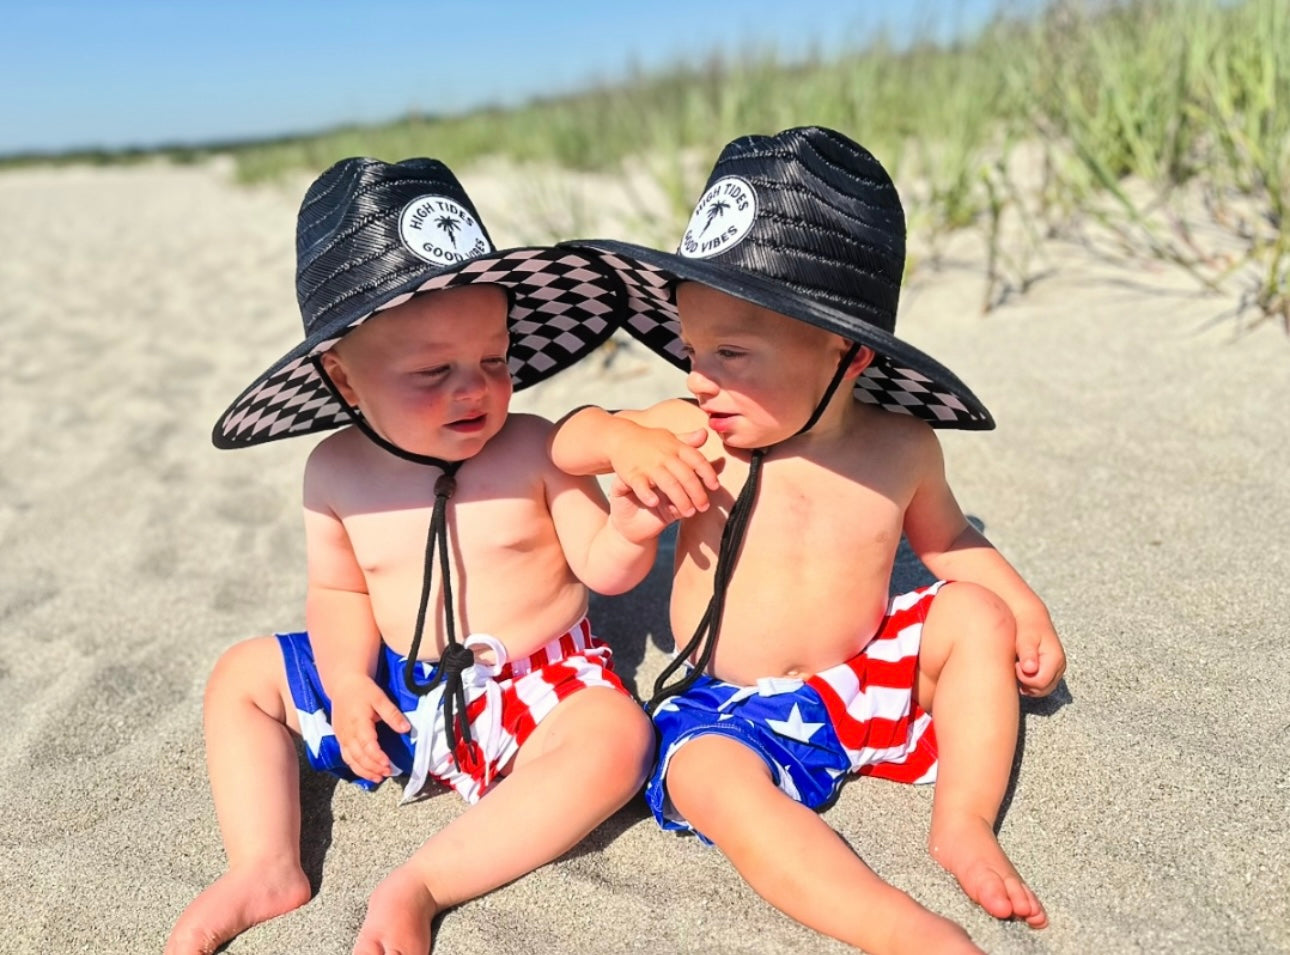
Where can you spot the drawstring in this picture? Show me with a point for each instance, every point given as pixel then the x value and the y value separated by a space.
pixel 732 536
pixel 455 658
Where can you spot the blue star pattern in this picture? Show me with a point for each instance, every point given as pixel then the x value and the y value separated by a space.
pixel 794 727
pixel 859 716
pixel 783 721
pixel 313 708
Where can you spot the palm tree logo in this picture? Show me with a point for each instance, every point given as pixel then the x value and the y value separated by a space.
pixel 718 208
pixel 449 225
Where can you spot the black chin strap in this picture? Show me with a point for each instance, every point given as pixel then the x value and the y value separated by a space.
pixel 456 658
pixel 732 537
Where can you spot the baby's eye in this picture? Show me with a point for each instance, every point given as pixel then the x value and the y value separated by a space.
pixel 728 353
pixel 496 361
pixel 437 372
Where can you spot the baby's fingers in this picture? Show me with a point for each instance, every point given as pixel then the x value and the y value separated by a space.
pixel 362 752
pixel 366 763
pixel 697 463
pixel 1028 655
pixel 391 715
pixel 640 485
pixel 682 487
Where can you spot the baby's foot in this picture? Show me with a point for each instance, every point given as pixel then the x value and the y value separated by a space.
pixel 233 903
pixel 398 917
pixel 965 845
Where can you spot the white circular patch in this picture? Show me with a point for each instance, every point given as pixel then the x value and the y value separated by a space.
pixel 441 231
pixel 720 220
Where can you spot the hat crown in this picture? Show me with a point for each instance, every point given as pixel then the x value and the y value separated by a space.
pixel 355 233
pixel 812 210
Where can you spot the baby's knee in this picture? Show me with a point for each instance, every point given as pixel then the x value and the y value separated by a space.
pixel 703 771
pixel 975 615
pixel 246 669
pixel 687 782
pixel 613 731
pixel 630 740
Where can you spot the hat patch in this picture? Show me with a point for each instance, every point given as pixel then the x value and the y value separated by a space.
pixel 441 231
pixel 721 219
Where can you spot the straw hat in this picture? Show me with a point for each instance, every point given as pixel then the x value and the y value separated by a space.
pixel 369 236
pixel 806 223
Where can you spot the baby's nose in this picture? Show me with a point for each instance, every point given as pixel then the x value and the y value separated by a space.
pixel 470 382
pixel 700 384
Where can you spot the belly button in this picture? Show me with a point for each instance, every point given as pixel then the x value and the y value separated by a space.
pixel 795 673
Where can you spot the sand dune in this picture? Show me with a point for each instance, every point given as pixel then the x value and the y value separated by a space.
pixel 1138 478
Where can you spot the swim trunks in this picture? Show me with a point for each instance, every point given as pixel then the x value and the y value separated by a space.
pixel 506 701
pixel 857 717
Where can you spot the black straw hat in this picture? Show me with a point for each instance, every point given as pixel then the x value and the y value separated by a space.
pixel 806 223
pixel 369 236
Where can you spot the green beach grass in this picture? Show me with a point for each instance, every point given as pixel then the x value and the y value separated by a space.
pixel 1125 107
pixel 1131 112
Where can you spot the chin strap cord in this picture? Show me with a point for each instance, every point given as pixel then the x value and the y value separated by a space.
pixel 732 537
pixel 456 658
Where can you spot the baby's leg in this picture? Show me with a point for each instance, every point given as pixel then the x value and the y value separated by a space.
pixel 582 763
pixel 967 680
pixel 791 857
pixel 255 782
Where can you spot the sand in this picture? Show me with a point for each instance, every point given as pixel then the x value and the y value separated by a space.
pixel 1138 479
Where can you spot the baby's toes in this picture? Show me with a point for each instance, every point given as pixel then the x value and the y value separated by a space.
pixel 1037 917
pixel 992 894
pixel 1025 905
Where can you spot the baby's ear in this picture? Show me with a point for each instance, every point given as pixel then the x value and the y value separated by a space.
pixel 334 368
pixel 862 360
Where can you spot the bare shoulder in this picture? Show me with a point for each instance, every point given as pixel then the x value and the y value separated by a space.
pixel 334 462
pixel 521 444
pixel 523 429
pixel 674 414
pixel 902 440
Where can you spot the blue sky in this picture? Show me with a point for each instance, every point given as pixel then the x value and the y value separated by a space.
pixel 111 73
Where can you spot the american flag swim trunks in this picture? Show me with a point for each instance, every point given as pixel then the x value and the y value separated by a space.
pixel 857 717
pixel 506 702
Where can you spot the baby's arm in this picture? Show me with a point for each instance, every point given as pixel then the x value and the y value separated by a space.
pixel 344 636
pixel 651 450
pixel 953 549
pixel 610 554
pixel 609 550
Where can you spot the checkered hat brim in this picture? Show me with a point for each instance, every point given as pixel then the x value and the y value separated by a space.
pixel 563 307
pixel 901 378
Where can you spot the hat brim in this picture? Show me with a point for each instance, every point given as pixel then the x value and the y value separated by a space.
pixel 563 306
pixel 901 378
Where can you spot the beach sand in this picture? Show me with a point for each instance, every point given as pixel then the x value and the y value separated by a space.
pixel 1138 479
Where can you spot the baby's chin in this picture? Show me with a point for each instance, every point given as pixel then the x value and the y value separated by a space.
pixel 737 443
pixel 743 441
pixel 462 449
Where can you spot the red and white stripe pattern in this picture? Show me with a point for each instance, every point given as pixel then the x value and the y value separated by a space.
pixel 870 698
pixel 505 709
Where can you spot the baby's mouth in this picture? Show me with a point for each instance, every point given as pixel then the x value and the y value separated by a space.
pixel 469 424
pixel 719 420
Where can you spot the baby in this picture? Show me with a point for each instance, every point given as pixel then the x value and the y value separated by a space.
pixel 417 330
pixel 805 452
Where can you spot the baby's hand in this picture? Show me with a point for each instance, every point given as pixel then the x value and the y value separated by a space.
pixel 632 519
pixel 655 459
pixel 1041 661
pixel 357 706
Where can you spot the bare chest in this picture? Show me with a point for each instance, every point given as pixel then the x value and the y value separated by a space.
pixel 808 516
pixel 810 579
pixel 389 533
